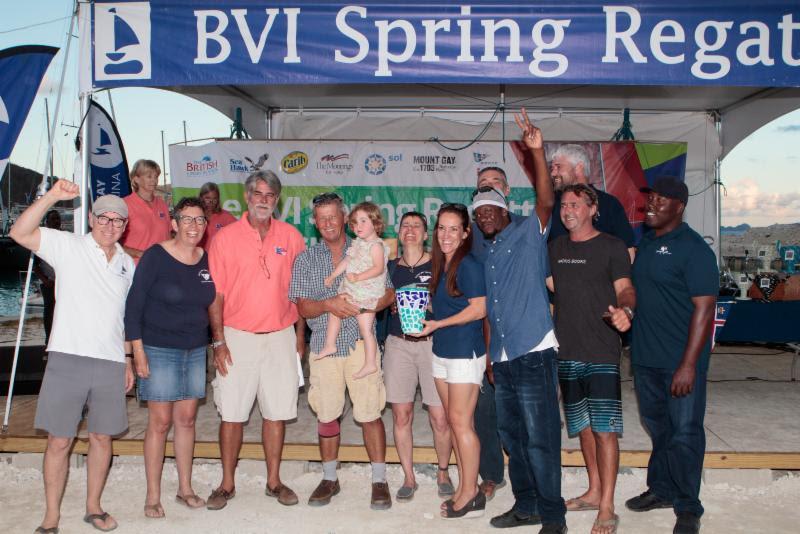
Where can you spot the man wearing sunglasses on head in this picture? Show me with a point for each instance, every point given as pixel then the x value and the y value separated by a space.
pixel 87 363
pixel 523 345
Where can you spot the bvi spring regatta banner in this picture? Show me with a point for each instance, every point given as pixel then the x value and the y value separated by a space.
pixel 398 176
pixel 21 71
pixel 248 42
pixel 108 164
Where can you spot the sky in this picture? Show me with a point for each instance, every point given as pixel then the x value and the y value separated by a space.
pixel 761 177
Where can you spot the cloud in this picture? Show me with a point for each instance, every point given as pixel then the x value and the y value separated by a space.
pixel 747 202
pixel 789 128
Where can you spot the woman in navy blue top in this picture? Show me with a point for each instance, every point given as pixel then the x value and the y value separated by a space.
pixel 459 306
pixel 166 321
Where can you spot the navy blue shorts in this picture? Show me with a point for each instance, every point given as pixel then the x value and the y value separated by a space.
pixel 175 374
pixel 592 396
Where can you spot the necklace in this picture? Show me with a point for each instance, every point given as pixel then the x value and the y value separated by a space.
pixel 412 267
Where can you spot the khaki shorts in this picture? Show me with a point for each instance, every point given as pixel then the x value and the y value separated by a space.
pixel 328 379
pixel 264 368
pixel 406 364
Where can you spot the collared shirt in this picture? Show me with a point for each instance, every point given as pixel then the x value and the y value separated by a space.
pixel 516 296
pixel 90 295
pixel 669 271
pixel 216 222
pixel 148 223
pixel 254 274
pixel 308 282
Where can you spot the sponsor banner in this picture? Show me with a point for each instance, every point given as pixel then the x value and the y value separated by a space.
pixel 107 161
pixel 249 42
pixel 397 176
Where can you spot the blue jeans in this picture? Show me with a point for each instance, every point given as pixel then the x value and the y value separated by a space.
pixel 676 429
pixel 526 394
pixel 175 374
pixel 491 465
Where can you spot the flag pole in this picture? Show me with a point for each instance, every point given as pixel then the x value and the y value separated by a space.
pixel 41 191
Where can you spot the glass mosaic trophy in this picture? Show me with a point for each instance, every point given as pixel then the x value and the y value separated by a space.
pixel 412 302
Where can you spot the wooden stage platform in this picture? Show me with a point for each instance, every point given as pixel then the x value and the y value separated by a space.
pixel 751 422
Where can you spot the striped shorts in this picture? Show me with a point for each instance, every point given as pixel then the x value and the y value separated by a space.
pixel 592 396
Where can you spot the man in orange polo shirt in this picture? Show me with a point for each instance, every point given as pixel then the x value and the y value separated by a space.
pixel 253 332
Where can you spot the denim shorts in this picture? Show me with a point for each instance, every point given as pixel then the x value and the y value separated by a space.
pixel 175 374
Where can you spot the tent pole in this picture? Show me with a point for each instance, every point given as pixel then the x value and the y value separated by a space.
pixel 82 227
pixel 718 195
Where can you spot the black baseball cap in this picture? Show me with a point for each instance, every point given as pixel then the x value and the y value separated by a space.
pixel 670 187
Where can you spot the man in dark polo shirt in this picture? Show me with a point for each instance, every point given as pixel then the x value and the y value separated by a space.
pixel 677 280
pixel 570 165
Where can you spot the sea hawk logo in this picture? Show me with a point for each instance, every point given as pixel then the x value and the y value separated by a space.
pixel 122 41
pixel 663 250
pixel 256 165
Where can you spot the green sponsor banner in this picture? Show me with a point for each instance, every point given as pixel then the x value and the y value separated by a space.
pixel 296 206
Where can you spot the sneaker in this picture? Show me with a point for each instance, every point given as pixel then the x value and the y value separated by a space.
pixel 512 518
pixel 219 498
pixel 647 501
pixel 687 523
pixel 553 528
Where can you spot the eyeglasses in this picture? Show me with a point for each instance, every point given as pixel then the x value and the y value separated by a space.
pixel 454 206
pixel 263 261
pixel 116 222
pixel 486 189
pixel 325 197
pixel 186 220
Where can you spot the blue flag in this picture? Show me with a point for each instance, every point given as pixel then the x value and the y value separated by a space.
pixel 21 72
pixel 109 167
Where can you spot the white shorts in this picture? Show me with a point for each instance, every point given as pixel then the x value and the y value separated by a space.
pixel 459 370
pixel 264 368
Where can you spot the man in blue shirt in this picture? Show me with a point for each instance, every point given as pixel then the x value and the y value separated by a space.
pixel 677 280
pixel 523 346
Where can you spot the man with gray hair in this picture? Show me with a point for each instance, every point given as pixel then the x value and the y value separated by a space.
pixel 253 332
pixel 570 165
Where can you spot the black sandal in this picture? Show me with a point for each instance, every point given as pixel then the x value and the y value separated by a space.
pixel 471 510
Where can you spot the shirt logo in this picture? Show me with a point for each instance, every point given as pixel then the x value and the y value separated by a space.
pixel 280 251
pixel 204 275
pixel 664 251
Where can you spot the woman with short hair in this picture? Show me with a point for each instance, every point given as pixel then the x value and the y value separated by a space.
pixel 217 217
pixel 166 321
pixel 148 214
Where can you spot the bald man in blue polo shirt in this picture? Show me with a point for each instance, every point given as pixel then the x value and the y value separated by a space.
pixel 677 280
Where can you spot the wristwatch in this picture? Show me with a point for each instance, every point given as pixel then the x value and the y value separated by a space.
pixel 217 344
pixel 627 309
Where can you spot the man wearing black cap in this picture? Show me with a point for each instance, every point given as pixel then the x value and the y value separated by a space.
pixel 677 280
pixel 87 364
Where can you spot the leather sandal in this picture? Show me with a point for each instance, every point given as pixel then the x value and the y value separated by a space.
pixel 471 510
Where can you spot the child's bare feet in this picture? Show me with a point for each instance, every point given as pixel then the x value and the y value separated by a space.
pixel 326 351
pixel 366 370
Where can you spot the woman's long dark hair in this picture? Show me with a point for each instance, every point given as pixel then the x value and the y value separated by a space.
pixel 437 256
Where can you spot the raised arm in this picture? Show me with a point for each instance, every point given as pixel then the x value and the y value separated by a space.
pixel 26 229
pixel 534 141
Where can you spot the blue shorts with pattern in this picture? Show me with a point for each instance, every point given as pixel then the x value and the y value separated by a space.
pixel 592 396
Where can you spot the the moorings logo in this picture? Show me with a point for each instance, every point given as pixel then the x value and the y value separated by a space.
pixel 204 167
pixel 334 164
pixel 294 162
pixel 433 163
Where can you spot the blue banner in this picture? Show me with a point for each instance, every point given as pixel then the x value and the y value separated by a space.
pixel 21 71
pixel 646 42
pixel 107 161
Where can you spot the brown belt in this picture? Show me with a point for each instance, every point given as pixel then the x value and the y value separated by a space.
pixel 414 338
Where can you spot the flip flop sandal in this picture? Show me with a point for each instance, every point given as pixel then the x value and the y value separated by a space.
pixel 579 505
pixel 91 518
pixel 406 493
pixel 605 523
pixel 190 501
pixel 154 511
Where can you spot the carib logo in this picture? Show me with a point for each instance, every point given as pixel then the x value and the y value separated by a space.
pixel 294 162
pixel 122 41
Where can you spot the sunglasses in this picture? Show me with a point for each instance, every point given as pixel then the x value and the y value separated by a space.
pixel 325 197
pixel 486 189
